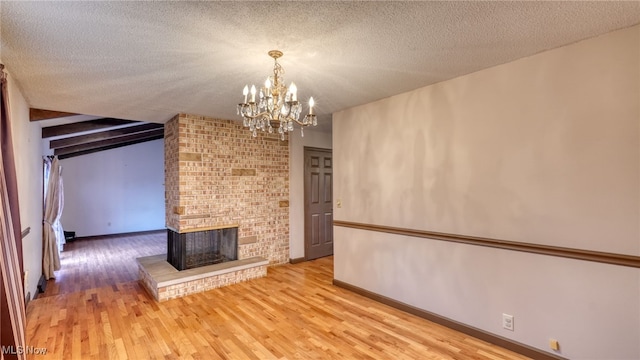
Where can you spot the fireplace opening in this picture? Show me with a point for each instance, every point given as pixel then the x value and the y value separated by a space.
pixel 201 248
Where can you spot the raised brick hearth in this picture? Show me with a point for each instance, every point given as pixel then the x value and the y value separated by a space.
pixel 164 282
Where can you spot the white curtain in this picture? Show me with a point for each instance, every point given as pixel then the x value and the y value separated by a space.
pixel 53 234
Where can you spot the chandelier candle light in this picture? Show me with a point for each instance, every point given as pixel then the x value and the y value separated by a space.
pixel 277 105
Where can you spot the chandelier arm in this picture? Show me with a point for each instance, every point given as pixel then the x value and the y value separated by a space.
pixel 299 122
pixel 251 117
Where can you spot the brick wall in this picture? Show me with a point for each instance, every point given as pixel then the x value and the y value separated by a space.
pixel 171 172
pixel 218 174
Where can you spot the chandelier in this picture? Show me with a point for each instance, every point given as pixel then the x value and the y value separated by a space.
pixel 277 105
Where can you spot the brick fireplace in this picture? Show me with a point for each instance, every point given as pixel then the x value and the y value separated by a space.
pixel 217 174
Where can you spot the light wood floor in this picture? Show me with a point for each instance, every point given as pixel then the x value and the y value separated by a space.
pixel 293 313
pixel 103 261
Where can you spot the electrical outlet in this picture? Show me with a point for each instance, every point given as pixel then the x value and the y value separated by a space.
pixel 26 279
pixel 507 321
pixel 554 344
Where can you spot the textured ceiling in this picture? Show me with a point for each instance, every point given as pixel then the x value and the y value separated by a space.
pixel 150 60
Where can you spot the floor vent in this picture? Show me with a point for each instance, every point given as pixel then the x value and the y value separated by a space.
pixel 42 284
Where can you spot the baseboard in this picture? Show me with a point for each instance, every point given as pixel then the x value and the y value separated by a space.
pixel 94 237
pixel 466 329
pixel 296 260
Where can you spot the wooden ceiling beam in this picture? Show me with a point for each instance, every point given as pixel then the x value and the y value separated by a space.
pixel 103 135
pixel 88 125
pixel 102 145
pixel 41 114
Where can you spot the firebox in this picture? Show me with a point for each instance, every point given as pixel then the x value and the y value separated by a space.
pixel 193 249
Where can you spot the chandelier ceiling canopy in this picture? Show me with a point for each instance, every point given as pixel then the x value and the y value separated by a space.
pixel 277 106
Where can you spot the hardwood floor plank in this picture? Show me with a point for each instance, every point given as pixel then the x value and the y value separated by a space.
pixel 96 309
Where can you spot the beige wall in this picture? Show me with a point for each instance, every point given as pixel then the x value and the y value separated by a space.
pixel 28 151
pixel 543 150
pixel 312 138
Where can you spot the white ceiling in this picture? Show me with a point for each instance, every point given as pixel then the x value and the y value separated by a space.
pixel 150 60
